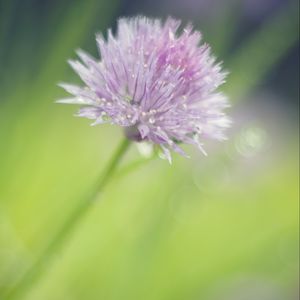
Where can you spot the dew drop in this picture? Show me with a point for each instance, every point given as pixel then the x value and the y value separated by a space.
pixel 151 120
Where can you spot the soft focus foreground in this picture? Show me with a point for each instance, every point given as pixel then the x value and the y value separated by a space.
pixel 222 227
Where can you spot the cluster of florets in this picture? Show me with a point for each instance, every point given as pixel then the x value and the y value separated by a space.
pixel 157 83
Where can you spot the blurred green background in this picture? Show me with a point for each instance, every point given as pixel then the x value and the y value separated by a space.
pixel 222 227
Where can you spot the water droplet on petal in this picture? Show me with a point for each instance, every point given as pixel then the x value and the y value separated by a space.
pixel 151 120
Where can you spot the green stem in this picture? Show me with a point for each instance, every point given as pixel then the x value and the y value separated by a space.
pixel 58 241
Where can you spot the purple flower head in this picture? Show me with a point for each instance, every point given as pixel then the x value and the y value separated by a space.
pixel 158 84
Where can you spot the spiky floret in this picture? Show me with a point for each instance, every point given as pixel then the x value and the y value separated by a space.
pixel 157 83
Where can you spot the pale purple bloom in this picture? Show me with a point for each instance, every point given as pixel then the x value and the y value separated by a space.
pixel 158 84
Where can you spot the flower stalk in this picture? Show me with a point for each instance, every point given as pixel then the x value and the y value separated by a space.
pixel 59 240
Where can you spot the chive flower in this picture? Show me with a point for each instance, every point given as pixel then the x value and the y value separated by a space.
pixel 156 81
